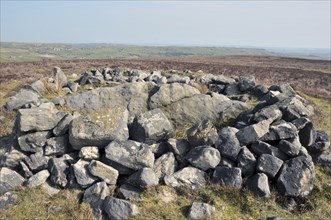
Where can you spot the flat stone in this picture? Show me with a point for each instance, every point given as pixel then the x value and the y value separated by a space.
pixel 269 165
pixel 118 209
pixel 252 133
pixel 107 173
pixel 83 176
pixel 33 142
pixel 230 177
pixel 9 180
pixel 38 179
pixel 189 177
pixel 36 119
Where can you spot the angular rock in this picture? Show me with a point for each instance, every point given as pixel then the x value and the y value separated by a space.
pixel 25 170
pixel 225 162
pixel 321 136
pixel 232 90
pixel 260 90
pixel 21 98
pixel 269 165
pixel 151 127
pixel 9 180
pixel 174 78
pixel 130 154
pixel 200 210
pixel 59 171
pixel 325 158
pixel 189 177
pixel 89 153
pixel 118 209
pixel 300 122
pixel 228 144
pixel 271 112
pixel 180 147
pixel 95 196
pixel 57 146
pixel 12 158
pixel 307 135
pixel 165 165
pixel 230 177
pixel 107 173
pixel 246 83
pixel 83 176
pixel 280 131
pixel 261 147
pixel 259 185
pixel 216 79
pixel 246 161
pixel 297 177
pixel 292 108
pixel 36 119
pixel 159 149
pixel 37 86
pixel 143 178
pixel 73 86
pixel 203 133
pixel 7 199
pixel 204 157
pixel 38 179
pixel 99 128
pixel 37 161
pixel 60 79
pixel 291 146
pixel 63 126
pixel 129 192
pixel 253 132
pixel 33 142
pixel 49 189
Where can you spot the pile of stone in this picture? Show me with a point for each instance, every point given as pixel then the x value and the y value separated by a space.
pixel 120 139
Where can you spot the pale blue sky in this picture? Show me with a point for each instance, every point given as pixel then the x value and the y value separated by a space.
pixel 298 24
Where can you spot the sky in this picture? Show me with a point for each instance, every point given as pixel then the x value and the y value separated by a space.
pixel 290 24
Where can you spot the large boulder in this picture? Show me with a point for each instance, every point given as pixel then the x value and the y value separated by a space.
pixel 33 142
pixel 131 154
pixel 151 127
pixel 297 177
pixel 204 157
pixel 9 180
pixel 252 133
pixel 143 178
pixel 203 133
pixel 227 176
pixel 259 185
pixel 99 128
pixel 246 83
pixel 165 165
pixel 118 209
pixel 60 79
pixel 228 143
pixel 246 161
pixel 22 97
pixel 269 165
pixel 188 177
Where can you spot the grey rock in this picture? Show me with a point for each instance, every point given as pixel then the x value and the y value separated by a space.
pixel 204 157
pixel 99 128
pixel 180 147
pixel 324 159
pixel 232 89
pixel 129 192
pixel 297 177
pixel 37 179
pixel 89 153
pixel 57 146
pixel 228 144
pixel 9 180
pixel 260 90
pixel 292 108
pixel 83 176
pixel 216 79
pixel 59 170
pixel 217 88
pixel 321 136
pixel 151 127
pixel 259 185
pixel 246 83
pixel 37 86
pixel 73 86
pixel 95 196
pixel 203 133
pixel 188 177
pixel 119 209
pixel 11 158
pixel 37 161
pixel 200 210
pixel 36 119
pixel 59 101
pixel 291 146
pixel 22 97
pixel 252 133
pixel 318 147
pixel 63 126
pixel 300 122
pixel 49 189
pixel 230 177
pixel 307 135
pixel 131 154
pixel 225 162
pixel 269 165
pixel 174 78
pixel 122 170
pixel 25 170
pixel 165 165
pixel 7 199
pixel 107 173
pixel 170 93
pixel 159 148
pixel 271 112
pixel 60 79
pixel 279 131
pixel 143 178
pixel 246 161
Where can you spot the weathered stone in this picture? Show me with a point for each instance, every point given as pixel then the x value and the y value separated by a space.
pixel 22 97
pixel 7 199
pixel 131 154
pixel 300 122
pixel 280 131
pixel 63 126
pixel 119 209
pixel 57 146
pixel 60 79
pixel 36 119
pixel 227 176
pixel 143 178
pixel 122 170
pixel 253 132
pixel 99 128
pixel 49 189
pixel 95 196
pixel 174 78
pixel 180 147
pixel 217 88
pixel 297 177
pixel 165 165
pixel 321 136
pixel 37 86
pixel 204 157
pixel 325 158
pixel 307 135
pixel 200 210
pixel 170 93
pixel 228 144
pixel 269 165
pixel 25 170
pixel 33 142
pixel 151 127
pixel 261 147
pixel 259 185
pixel 83 176
pixel 216 79
pixel 260 90
pixel 203 133
pixel 129 192
pixel 232 89
pixel 225 162
pixel 59 170
pixel 246 83
pixel 73 86
pixel 292 108
pixel 291 146
pixel 11 158
pixel 89 153
pixel 107 173
pixel 271 112
pixel 37 161
pixel 9 180
pixel 318 147
pixel 59 101
pixel 159 148
pixel 246 161
pixel 38 179
pixel 189 177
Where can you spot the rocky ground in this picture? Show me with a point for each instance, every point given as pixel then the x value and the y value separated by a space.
pixel 118 133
